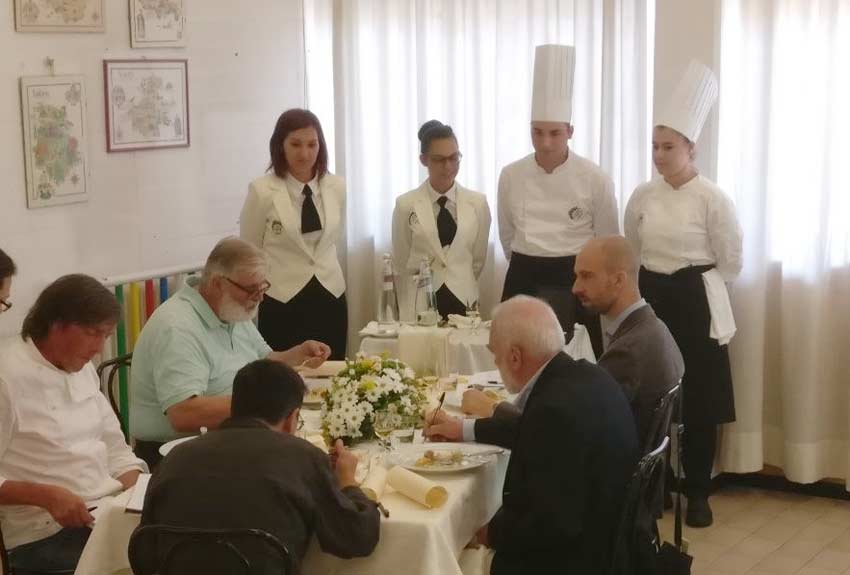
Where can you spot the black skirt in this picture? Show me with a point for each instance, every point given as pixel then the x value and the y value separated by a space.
pixel 314 313
pixel 679 300
pixel 552 279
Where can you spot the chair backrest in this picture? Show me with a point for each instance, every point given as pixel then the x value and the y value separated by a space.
pixel 4 559
pixel 111 368
pixel 171 550
pixel 637 533
pixel 659 425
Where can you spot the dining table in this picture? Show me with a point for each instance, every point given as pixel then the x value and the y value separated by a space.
pixel 414 539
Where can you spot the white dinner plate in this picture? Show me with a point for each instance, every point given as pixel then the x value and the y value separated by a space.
pixel 165 448
pixel 409 456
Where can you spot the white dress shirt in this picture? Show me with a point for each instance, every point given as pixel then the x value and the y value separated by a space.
pixel 675 228
pixel 296 193
pixel 56 428
pixel 553 215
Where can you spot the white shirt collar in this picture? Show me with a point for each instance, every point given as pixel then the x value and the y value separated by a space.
pixel 522 397
pixel 615 324
pixel 435 195
pixel 296 186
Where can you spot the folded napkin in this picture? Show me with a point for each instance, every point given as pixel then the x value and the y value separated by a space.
pixel 424 349
pixel 461 321
pixel 411 485
pixel 722 321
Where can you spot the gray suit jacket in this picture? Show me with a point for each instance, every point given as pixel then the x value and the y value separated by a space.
pixel 643 358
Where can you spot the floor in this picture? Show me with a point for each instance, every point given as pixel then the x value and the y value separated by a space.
pixel 761 532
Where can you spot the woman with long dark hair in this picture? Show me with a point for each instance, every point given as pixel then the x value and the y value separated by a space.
pixel 295 215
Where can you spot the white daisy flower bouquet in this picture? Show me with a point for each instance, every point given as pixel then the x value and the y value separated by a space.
pixel 364 386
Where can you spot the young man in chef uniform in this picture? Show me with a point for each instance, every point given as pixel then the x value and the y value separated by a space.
pixel 552 201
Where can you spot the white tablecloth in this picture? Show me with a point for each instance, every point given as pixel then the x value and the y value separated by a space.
pixel 466 350
pixel 414 540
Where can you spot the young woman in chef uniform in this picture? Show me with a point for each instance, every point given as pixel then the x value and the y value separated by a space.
pixel 687 234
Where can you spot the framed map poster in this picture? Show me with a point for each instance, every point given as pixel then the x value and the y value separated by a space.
pixel 59 15
pixel 54 114
pixel 147 104
pixel 157 23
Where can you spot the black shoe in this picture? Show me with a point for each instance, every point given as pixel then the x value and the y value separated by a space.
pixel 699 513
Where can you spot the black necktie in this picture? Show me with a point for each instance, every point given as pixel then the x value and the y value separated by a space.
pixel 446 225
pixel 310 221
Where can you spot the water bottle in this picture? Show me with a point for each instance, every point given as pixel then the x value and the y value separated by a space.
pixel 388 305
pixel 425 305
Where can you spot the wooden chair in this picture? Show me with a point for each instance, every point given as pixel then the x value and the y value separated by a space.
pixel 111 368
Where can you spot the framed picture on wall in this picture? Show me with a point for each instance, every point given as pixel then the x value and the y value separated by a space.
pixel 147 104
pixel 157 23
pixel 59 15
pixel 54 118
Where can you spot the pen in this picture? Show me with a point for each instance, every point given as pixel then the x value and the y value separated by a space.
pixel 439 406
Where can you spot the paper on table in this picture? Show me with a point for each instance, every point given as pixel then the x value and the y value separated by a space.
pixel 137 499
pixel 416 487
pixel 375 482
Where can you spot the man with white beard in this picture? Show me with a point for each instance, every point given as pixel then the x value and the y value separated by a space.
pixel 193 344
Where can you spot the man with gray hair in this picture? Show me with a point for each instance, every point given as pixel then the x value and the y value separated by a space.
pixel 574 448
pixel 192 346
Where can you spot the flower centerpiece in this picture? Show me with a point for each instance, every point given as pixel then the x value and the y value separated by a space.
pixel 364 386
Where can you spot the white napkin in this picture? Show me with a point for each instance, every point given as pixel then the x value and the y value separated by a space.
pixel 424 349
pixel 416 487
pixel 722 321
pixel 461 321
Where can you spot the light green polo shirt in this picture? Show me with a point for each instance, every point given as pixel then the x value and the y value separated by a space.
pixel 185 350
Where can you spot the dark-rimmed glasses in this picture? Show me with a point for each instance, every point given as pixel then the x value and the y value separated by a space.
pixel 454 159
pixel 251 291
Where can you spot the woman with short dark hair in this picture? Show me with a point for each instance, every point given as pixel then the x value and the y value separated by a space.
pixel 295 215
pixel 444 222
pixel 7 270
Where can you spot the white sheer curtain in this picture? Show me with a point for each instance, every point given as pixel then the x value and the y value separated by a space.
pixel 395 64
pixel 784 123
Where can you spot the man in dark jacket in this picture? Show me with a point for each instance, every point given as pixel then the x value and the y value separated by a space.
pixel 254 473
pixel 574 448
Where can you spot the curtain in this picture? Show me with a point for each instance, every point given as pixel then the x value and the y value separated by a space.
pixel 378 69
pixel 784 121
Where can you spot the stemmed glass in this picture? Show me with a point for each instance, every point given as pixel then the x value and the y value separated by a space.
pixel 384 422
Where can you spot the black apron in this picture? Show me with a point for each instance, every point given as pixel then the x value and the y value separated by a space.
pixel 314 313
pixel 679 300
pixel 551 279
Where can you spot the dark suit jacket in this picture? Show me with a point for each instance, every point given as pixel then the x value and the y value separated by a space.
pixel 574 451
pixel 643 358
pixel 247 475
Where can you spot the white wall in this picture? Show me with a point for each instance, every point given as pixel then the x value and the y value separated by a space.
pixel 153 208
pixel 686 29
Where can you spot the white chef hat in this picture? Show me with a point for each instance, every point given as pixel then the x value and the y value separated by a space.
pixel 688 106
pixel 552 94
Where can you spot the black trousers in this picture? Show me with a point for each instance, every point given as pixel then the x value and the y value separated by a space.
pixel 447 302
pixel 552 279
pixel 680 302
pixel 314 313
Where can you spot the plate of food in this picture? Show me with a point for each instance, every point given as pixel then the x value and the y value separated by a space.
pixel 445 458
pixel 313 397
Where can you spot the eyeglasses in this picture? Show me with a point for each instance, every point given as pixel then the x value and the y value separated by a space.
pixel 5 305
pixel 252 291
pixel 454 159
pixel 300 421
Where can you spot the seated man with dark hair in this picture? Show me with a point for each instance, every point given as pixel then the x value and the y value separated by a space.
pixel 253 472
pixel 61 447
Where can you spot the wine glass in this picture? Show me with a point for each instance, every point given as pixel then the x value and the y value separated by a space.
pixel 384 423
